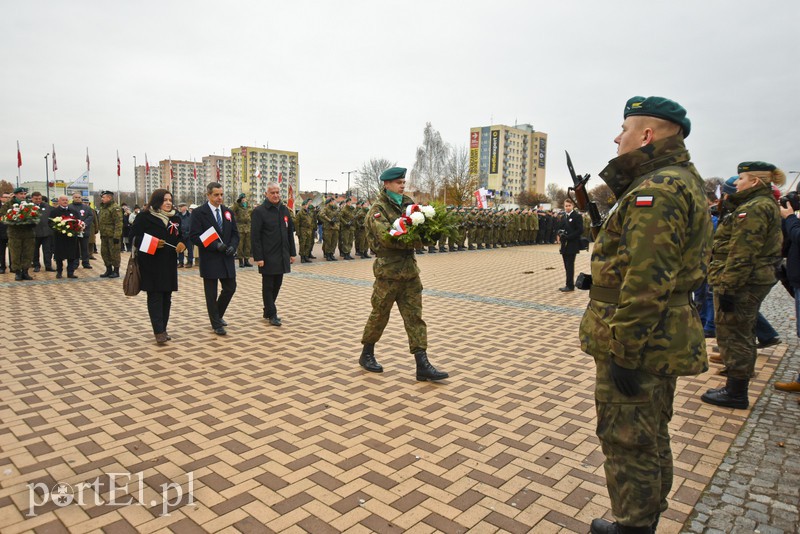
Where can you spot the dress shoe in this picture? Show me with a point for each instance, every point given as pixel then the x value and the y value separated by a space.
pixel 87 266
pixel 794 387
pixel 274 321
pixel 223 322
pixel 426 371
pixel 37 269
pixel 768 343
pixel 220 331
pixel 566 289
pixel 58 274
pixel 601 526
pixel 367 359
pixel 161 338
pixel 71 275
pixel 114 273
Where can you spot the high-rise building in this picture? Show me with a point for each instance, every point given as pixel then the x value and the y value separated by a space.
pixel 508 159
pixel 219 169
pixel 186 181
pixel 253 168
pixel 145 183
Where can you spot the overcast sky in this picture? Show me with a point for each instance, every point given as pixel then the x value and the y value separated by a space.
pixel 341 82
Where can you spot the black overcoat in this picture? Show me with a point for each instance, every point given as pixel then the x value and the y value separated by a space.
pixel 573 224
pixel 160 270
pixel 65 248
pixel 272 235
pixel 215 264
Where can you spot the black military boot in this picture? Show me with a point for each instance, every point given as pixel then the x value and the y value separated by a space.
pixel 426 371
pixel 366 255
pixel 442 249
pixel 331 257
pixel 312 257
pixel 431 250
pixel 241 263
pixel 347 256
pixel 18 276
pixel 108 272
pixel 420 251
pixel 367 359
pixel 114 272
pixel 303 259
pixel 601 526
pixel 733 395
pixel 471 247
pixel 480 247
pixel 25 275
pixel 247 262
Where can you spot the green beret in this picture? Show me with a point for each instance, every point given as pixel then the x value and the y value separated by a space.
pixel 657 106
pixel 241 196
pixel 20 190
pixel 106 192
pixel 755 166
pixel 328 200
pixel 348 199
pixel 306 201
pixel 393 174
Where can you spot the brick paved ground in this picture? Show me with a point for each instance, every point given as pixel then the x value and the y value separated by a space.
pixel 279 430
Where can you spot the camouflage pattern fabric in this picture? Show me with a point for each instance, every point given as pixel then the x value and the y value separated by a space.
pixel 735 330
pixel 110 251
pixel 330 228
pixel 21 240
pixel 396 277
pixel 243 217
pixel 655 243
pixel 347 231
pixel 361 230
pixel 109 220
pixel 305 226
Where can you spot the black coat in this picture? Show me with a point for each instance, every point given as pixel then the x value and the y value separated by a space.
pixel 160 270
pixel 65 248
pixel 215 264
pixel 42 228
pixel 573 225
pixel 791 233
pixel 272 234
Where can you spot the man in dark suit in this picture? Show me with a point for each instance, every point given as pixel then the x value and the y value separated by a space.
pixel 272 231
pixel 216 259
pixel 570 236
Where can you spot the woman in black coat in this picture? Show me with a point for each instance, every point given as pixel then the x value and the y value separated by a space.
pixel 159 270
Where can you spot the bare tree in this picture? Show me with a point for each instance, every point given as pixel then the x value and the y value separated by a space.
pixel 459 184
pixel 604 198
pixel 429 168
pixel 556 195
pixel 6 186
pixel 368 180
pixel 530 199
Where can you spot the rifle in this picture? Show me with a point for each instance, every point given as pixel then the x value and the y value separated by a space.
pixel 582 197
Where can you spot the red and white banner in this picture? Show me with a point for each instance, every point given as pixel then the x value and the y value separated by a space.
pixel 478 199
pixel 209 236
pixel 149 244
pixel 290 200
pixel 146 165
pixel 119 166
pixel 19 156
pixel 55 165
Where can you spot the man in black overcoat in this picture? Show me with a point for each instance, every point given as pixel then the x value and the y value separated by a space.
pixel 570 236
pixel 216 259
pixel 272 231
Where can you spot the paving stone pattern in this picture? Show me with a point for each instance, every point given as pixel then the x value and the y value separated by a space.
pixel 278 429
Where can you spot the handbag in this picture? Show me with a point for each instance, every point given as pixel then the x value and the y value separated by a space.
pixel 132 283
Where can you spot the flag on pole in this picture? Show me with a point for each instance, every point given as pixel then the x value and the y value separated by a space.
pixel 87 158
pixel 290 201
pixel 280 177
pixel 149 244
pixel 118 164
pixel 55 165
pixel 209 236
pixel 146 165
pixel 195 171
pixel 19 156
pixel 218 171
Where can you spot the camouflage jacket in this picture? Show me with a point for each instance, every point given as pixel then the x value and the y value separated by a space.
pixel 305 223
pixel 243 216
pixel 652 249
pixel 747 243
pixel 110 220
pixel 347 217
pixel 329 215
pixel 395 259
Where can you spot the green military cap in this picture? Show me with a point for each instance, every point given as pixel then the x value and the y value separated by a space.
pixel 755 166
pixel 328 200
pixel 241 196
pixel 306 201
pixel 20 190
pixel 348 199
pixel 106 192
pixel 658 106
pixel 393 174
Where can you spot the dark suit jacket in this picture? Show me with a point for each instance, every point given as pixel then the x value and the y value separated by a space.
pixel 272 234
pixel 573 224
pixel 214 264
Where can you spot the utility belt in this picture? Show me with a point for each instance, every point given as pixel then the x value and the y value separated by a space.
pixel 611 296
pixel 393 253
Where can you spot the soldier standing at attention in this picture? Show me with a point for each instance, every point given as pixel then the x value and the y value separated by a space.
pixel 21 238
pixel 110 221
pixel 305 230
pixel 747 245
pixel 329 215
pixel 396 279
pixel 347 219
pixel 242 213
pixel 650 255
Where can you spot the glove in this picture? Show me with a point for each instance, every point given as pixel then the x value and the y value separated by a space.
pixel 562 232
pixel 626 380
pixel 230 251
pixel 727 303
pixel 115 241
pixel 221 246
pixel 180 247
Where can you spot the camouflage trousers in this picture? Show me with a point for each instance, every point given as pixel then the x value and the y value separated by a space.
pixel 346 238
pixel 21 246
pixel 361 240
pixel 330 240
pixel 305 240
pixel 736 331
pixel 408 296
pixel 243 250
pixel 634 435
pixel 109 251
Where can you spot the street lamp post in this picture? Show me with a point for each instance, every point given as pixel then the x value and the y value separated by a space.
pixel 47 177
pixel 348 173
pixel 326 183
pixel 135 189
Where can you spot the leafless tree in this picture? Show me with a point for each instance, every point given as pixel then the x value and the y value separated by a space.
pixel 6 186
pixel 459 184
pixel 530 199
pixel 556 195
pixel 604 198
pixel 368 180
pixel 429 167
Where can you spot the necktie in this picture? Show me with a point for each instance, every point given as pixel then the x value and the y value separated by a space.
pixel 219 219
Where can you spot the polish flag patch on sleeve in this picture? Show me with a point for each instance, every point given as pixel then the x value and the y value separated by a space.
pixel 742 215
pixel 644 201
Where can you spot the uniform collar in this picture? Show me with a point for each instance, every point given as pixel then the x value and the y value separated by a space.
pixel 622 171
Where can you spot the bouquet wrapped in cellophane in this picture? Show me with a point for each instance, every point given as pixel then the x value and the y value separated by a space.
pixel 67 226
pixel 22 213
pixel 423 223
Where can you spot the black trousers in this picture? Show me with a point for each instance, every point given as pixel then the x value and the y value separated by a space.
pixel 270 286
pixel 569 267
pixel 216 306
pixel 84 244
pixel 71 265
pixel 46 244
pixel 158 306
pixel 3 247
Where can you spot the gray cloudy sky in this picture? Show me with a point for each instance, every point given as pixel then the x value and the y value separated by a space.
pixel 344 81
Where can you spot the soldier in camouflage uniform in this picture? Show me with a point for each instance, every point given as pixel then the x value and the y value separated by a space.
pixel 305 226
pixel 21 238
pixel 362 248
pixel 347 229
pixel 640 326
pixel 747 247
pixel 243 213
pixel 109 219
pixel 329 215
pixel 396 280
